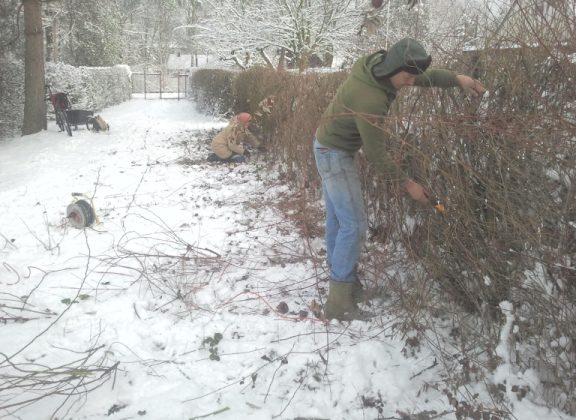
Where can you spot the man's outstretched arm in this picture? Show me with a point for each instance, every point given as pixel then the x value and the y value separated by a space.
pixel 445 79
pixel 470 86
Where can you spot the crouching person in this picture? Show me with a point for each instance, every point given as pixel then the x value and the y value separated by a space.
pixel 228 144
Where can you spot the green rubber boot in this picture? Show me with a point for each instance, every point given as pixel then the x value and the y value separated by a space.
pixel 358 292
pixel 340 304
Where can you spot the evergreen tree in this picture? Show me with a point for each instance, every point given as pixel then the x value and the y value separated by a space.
pixel 11 40
pixel 94 33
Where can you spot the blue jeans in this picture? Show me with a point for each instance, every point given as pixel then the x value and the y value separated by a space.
pixel 235 158
pixel 346 222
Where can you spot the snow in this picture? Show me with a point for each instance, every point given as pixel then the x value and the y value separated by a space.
pixel 180 61
pixel 182 252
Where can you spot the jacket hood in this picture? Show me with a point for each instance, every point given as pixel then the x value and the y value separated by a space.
pixel 363 70
pixel 405 55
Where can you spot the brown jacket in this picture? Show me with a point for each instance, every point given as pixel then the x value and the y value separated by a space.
pixel 229 141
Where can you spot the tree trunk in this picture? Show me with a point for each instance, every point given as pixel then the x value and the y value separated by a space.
pixel 34 104
pixel 282 59
pixel 266 58
pixel 303 61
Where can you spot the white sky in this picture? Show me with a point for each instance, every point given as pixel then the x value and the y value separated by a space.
pixel 125 271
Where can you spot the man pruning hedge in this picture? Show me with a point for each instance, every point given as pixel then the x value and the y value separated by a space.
pixel 345 128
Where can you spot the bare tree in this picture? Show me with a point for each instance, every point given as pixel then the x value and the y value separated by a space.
pixel 34 105
pixel 298 30
pixel 303 33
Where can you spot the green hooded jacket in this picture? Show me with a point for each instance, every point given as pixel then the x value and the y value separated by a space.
pixel 350 121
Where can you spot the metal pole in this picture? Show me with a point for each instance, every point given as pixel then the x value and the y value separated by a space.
pixel 144 82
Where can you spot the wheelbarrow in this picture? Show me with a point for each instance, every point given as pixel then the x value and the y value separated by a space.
pixel 79 116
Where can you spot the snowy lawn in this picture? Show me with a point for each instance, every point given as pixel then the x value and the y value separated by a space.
pixel 188 298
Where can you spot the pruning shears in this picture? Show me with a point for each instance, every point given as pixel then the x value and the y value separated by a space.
pixel 438 205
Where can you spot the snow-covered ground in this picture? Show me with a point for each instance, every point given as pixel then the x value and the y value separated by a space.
pixel 171 306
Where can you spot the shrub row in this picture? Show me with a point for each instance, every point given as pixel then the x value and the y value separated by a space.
pixel 92 88
pixel 503 167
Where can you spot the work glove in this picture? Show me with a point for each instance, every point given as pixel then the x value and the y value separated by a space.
pixel 417 192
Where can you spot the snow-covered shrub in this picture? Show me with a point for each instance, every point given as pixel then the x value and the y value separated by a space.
pixel 212 90
pixel 92 88
pixel 12 97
